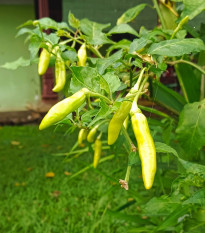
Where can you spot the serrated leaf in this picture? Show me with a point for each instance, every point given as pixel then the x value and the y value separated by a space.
pixel 85 77
pixel 123 28
pixel 191 127
pixel 20 62
pixel 138 44
pixel 93 32
pixel 177 47
pixel 164 148
pixel 73 21
pixel 130 14
pixel 113 81
pixel 103 64
pixel 102 114
pixel 193 8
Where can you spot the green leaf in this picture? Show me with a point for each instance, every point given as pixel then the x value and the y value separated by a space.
pixel 34 45
pixel 27 23
pixel 164 148
pixel 85 77
pixel 88 116
pixel 122 44
pixel 167 97
pixel 189 82
pixel 63 25
pixel 133 158
pixel 193 8
pixel 70 54
pixel 20 62
pixel 123 28
pixel 51 38
pixel 93 32
pixel 193 168
pixel 159 206
pixel 102 114
pixel 103 64
pixel 104 85
pixel 174 218
pixel 138 44
pixel 130 14
pixel 73 21
pixel 197 198
pixel 113 81
pixel 176 47
pixel 48 23
pixel 191 127
pixel 23 31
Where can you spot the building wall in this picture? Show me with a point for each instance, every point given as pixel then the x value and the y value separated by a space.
pixel 108 11
pixel 18 88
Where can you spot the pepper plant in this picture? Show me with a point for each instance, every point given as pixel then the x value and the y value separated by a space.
pixel 104 81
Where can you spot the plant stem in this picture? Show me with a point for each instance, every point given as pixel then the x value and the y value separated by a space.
pixel 179 26
pixel 89 102
pixel 94 94
pixel 159 13
pixel 95 51
pixel 127 176
pixel 187 62
pixel 151 110
pixel 202 86
pixel 136 86
pixel 139 93
pixel 127 137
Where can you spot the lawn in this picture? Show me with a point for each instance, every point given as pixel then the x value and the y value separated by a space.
pixel 31 202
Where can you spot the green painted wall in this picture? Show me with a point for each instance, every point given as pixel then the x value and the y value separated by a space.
pixel 21 87
pixel 108 11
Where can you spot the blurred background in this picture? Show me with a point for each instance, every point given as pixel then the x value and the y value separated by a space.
pixel 37 193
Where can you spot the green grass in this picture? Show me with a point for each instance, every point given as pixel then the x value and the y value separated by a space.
pixel 32 203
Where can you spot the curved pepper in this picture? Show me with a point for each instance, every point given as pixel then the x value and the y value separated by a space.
pixel 60 110
pixel 44 60
pixel 117 121
pixel 82 55
pixel 146 147
pixel 82 135
pixel 60 74
pixel 92 133
pixel 97 153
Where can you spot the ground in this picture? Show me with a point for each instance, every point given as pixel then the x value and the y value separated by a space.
pixel 32 202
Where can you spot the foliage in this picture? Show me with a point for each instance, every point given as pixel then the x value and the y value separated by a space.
pixel 121 71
